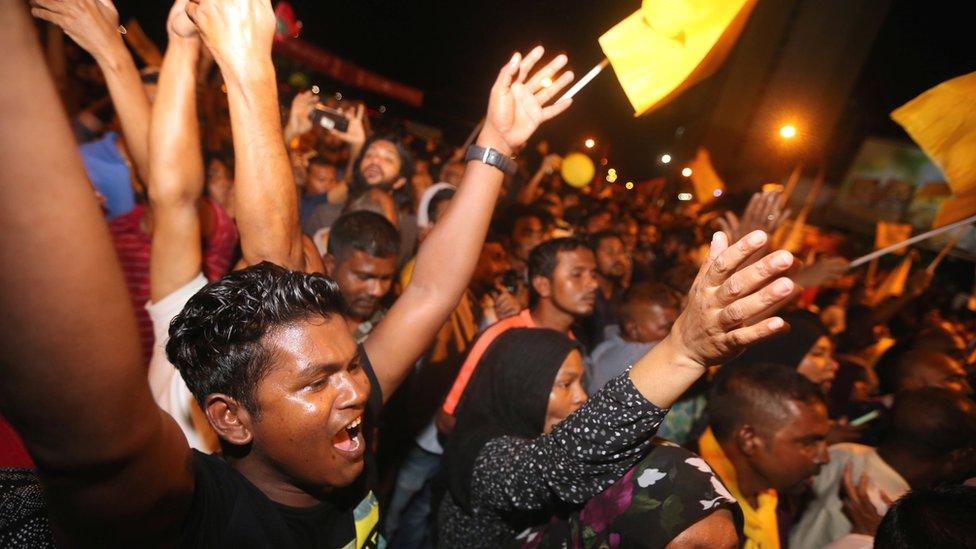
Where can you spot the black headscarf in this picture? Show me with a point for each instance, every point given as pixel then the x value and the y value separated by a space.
pixel 787 349
pixel 508 395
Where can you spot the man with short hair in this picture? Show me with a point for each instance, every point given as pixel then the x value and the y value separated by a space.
pixel 930 439
pixel 362 259
pixel 613 268
pixel 646 314
pixel 767 432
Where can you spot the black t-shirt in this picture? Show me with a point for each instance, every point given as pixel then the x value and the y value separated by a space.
pixel 229 511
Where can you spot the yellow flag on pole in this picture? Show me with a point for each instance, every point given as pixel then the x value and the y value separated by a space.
pixel 704 178
pixel 942 121
pixel 669 45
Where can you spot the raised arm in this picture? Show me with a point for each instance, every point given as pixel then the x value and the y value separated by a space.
pixel 239 34
pixel 448 256
pixel 177 175
pixel 74 384
pixel 93 25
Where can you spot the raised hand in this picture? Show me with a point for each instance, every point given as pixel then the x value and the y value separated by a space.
pixel 93 24
pixel 763 213
pixel 517 103
pixel 821 271
pixel 299 122
pixel 858 507
pixel 178 23
pixel 355 134
pixel 713 326
pixel 237 32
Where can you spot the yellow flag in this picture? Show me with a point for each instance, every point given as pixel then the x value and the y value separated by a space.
pixel 888 233
pixel 894 284
pixel 943 122
pixel 669 45
pixel 704 178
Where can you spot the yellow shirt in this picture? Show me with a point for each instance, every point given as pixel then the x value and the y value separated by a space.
pixel 761 528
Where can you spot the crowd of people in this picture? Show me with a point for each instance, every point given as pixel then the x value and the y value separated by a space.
pixel 365 338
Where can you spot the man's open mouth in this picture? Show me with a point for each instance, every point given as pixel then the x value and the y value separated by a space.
pixel 349 438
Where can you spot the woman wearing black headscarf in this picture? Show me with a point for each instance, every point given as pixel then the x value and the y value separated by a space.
pixel 807 348
pixel 520 457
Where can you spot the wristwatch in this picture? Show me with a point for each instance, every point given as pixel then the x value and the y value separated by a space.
pixel 493 158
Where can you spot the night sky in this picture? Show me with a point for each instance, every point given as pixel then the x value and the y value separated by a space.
pixel 452 51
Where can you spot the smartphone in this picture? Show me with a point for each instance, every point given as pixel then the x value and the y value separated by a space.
pixel 329 119
pixel 870 416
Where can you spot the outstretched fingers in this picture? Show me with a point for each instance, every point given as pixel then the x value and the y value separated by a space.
pixel 755 276
pixel 757 304
pixel 726 262
pixel 529 61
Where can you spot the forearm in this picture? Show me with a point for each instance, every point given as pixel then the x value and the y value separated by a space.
pixel 177 173
pixel 266 198
pixel 448 256
pixel 130 100
pixel 67 328
pixel 663 374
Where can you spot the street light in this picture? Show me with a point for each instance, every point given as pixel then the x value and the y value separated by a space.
pixel 629 185
pixel 788 131
pixel 590 143
pixel 686 172
pixel 666 159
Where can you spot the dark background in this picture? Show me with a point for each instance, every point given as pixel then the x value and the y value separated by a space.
pixel 452 51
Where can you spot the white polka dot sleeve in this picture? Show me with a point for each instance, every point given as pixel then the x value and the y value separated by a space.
pixel 581 457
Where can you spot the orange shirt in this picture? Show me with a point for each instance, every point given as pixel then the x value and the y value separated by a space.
pixel 521 320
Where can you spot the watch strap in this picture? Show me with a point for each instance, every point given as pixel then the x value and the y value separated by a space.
pixel 491 157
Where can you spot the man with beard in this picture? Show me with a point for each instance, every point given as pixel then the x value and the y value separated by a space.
pixel 362 259
pixel 613 268
pixel 563 286
pixel 767 433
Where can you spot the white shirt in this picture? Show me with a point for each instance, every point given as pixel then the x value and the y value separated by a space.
pixel 165 382
pixel 824 521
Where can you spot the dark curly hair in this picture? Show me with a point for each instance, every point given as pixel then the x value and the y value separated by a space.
pixel 216 340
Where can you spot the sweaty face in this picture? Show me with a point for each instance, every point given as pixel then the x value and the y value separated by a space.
pixel 818 365
pixel 321 179
pixel 611 258
pixel 311 405
pixel 527 233
pixel 574 282
pixel 363 280
pixel 567 393
pixel 381 163
pixel 793 447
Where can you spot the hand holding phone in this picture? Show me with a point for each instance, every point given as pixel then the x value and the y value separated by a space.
pixel 328 118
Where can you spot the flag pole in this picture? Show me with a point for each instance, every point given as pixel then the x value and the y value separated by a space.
pixel 587 78
pixel 898 245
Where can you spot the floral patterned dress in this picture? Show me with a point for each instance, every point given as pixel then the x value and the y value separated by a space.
pixel 665 493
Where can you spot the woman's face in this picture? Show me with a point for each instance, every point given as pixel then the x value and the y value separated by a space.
pixel 567 393
pixel 818 365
